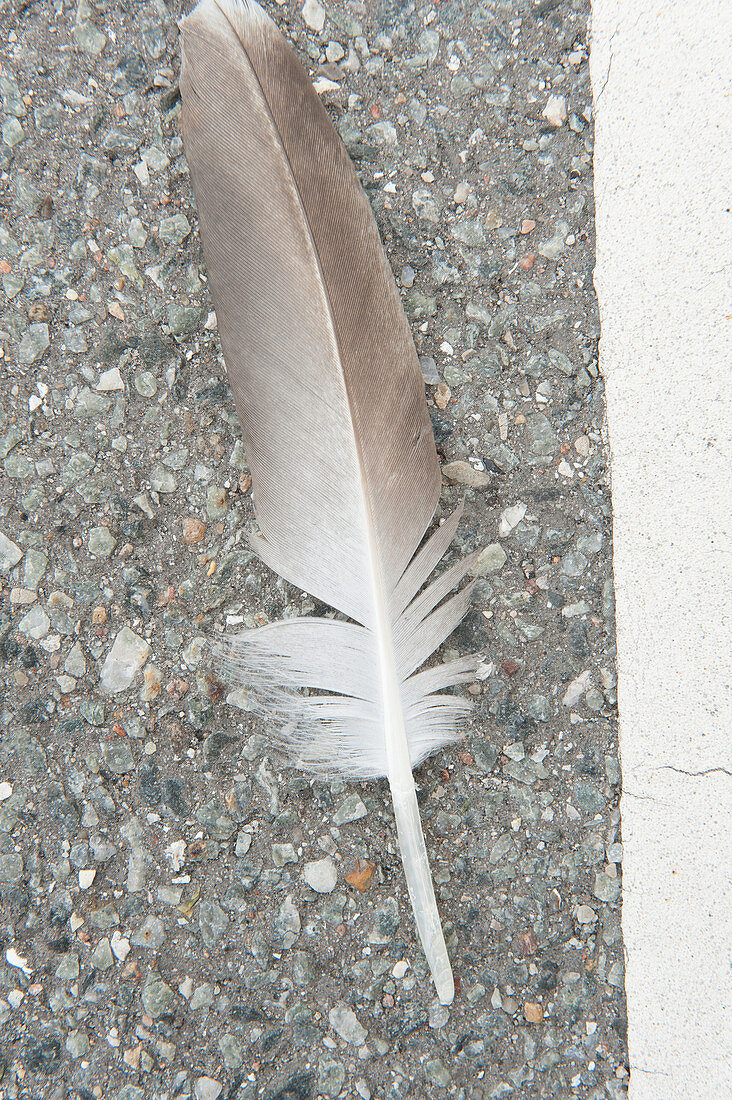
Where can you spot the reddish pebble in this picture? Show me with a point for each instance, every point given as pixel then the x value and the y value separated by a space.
pixel 176 689
pixel 510 667
pixel 361 877
pixel 534 1013
pixel 194 530
pixel 527 943
pixel 442 395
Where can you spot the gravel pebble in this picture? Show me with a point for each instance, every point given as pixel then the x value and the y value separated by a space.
pixel 212 922
pixel 207 1088
pixel 331 1076
pixel 101 542
pixel 351 809
pixel 320 875
pixel 464 474
pixel 606 888
pixel 555 111
pixel 33 344
pixel 344 1022
pixel 101 957
pixel 314 15
pixel 10 553
pixel 124 661
pixel 490 560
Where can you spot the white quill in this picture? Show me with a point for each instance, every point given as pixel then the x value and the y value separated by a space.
pixel 336 428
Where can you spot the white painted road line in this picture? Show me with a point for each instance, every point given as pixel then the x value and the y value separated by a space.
pixel 663 166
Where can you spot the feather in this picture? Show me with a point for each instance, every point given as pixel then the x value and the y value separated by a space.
pixel 337 433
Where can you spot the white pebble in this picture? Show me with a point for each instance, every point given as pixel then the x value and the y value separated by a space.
pixel 14 959
pixel 510 518
pixel 320 875
pixel 124 661
pixel 206 1088
pixel 110 380
pixel 314 15
pixel 555 111
pixel 585 914
pixel 10 553
pixel 577 688
pixel 120 946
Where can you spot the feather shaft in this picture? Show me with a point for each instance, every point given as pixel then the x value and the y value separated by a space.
pixel 404 798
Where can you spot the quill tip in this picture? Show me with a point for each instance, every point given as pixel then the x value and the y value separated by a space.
pixel 445 985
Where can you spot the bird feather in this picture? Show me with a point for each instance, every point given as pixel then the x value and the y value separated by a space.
pixel 327 385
